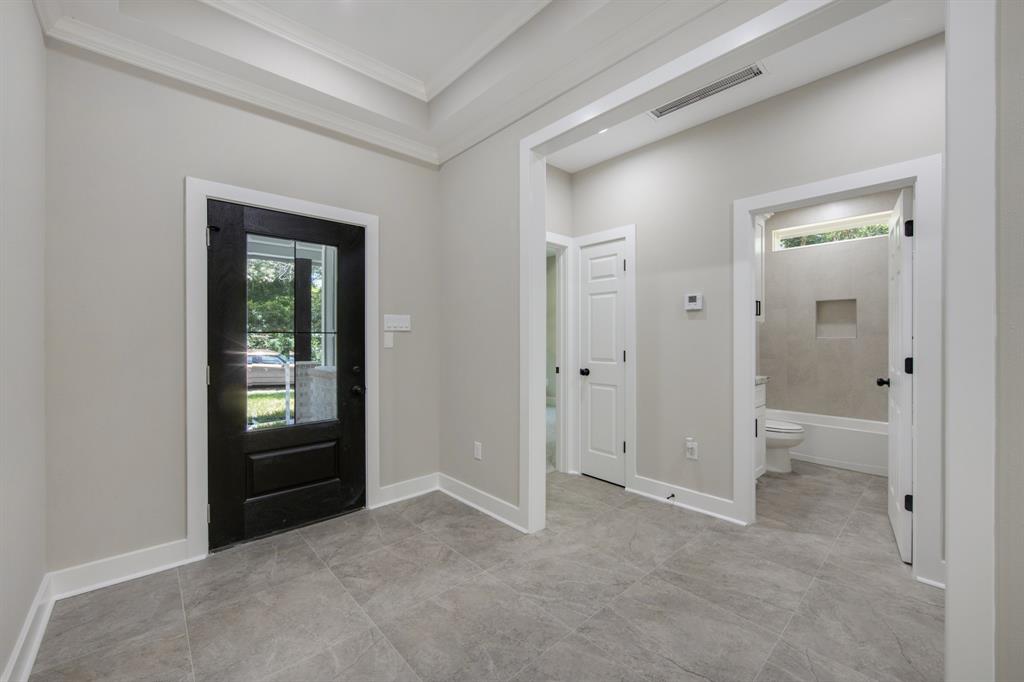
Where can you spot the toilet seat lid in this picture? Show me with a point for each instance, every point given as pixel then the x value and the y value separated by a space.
pixel 783 427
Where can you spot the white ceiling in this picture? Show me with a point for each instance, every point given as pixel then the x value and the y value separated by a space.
pixel 392 32
pixel 889 27
pixel 427 79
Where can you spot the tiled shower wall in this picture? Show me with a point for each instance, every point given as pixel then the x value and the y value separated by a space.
pixel 833 376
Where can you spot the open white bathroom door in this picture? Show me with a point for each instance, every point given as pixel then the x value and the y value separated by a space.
pixel 901 339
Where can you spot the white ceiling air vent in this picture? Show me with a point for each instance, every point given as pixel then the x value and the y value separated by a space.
pixel 741 76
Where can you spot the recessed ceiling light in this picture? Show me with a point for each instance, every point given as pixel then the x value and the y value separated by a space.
pixel 602 132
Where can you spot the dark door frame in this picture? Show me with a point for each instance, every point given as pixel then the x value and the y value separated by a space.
pixel 197 192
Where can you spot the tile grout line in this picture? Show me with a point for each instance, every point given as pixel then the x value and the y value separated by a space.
pixel 576 630
pixel 637 582
pixel 184 617
pixel 814 578
pixel 360 606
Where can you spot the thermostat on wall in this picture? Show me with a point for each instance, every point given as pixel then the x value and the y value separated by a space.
pixel 695 302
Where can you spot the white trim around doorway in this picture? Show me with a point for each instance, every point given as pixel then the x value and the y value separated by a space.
pixel 533 149
pixel 925 176
pixel 196 194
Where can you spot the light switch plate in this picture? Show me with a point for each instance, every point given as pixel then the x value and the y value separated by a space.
pixel 389 339
pixel 398 323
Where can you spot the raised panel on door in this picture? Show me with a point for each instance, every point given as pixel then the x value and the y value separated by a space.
pixel 602 344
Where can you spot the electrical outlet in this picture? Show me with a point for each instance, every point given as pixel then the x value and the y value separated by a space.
pixel 691 448
pixel 478 450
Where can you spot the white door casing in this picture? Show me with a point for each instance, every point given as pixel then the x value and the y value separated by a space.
pixel 901 326
pixel 603 270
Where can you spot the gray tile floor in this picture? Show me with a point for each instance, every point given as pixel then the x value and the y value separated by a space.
pixel 618 588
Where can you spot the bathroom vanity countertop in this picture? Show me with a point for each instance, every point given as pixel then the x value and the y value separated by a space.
pixel 760 380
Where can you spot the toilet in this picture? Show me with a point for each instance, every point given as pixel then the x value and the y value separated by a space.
pixel 780 437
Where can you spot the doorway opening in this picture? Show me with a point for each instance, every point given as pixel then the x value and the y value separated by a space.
pixel 553 394
pixel 837 306
pixel 591 366
pixel 830 396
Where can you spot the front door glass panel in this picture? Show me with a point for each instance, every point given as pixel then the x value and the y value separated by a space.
pixel 291 344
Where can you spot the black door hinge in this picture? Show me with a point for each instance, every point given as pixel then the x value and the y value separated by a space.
pixel 908 503
pixel 908 365
pixel 908 228
pixel 755 427
pixel 757 309
pixel 623 264
pixel 623 356
pixel 623 447
pixel 556 369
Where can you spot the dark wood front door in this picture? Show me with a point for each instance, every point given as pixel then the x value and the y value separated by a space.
pixel 287 426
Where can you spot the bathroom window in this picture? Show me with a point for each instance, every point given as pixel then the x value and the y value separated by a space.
pixel 845 229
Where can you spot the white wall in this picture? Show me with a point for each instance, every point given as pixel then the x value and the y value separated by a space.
pixel 679 192
pixel 22 224
pixel 115 304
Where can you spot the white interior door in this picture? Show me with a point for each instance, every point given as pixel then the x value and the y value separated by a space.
pixel 602 360
pixel 901 340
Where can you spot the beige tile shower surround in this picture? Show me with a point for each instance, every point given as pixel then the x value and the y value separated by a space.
pixel 619 587
pixel 826 376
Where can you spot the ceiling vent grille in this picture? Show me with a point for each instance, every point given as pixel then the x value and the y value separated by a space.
pixel 733 79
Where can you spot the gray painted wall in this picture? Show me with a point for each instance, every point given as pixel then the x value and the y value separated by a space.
pixel 826 376
pixel 679 193
pixel 559 201
pixel 115 277
pixel 22 362
pixel 1010 352
pixel 480 269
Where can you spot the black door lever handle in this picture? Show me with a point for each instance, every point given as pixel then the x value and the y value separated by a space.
pixel 881 382
pixel 358 390
pixel 585 372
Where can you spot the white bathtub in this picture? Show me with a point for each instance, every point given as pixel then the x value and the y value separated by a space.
pixel 855 444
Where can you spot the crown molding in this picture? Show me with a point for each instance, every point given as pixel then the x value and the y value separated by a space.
pixel 279 25
pixel 482 45
pixel 69 30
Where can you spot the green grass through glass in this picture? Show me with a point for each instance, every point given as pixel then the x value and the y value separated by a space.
pixel 265 408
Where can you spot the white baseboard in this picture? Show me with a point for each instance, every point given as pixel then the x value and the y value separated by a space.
pixel 928 581
pixel 719 507
pixel 841 464
pixel 23 656
pixel 403 490
pixel 493 506
pixel 94 575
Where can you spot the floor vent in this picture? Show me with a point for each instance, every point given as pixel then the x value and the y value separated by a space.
pixel 741 76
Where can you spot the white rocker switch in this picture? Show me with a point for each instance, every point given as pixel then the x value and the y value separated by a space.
pixel 398 323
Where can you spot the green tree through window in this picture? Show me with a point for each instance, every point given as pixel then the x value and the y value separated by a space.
pixel 834 236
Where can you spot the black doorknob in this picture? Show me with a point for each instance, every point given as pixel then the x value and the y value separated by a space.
pixel 358 390
pixel 585 372
pixel 881 382
pixel 356 369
